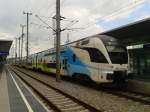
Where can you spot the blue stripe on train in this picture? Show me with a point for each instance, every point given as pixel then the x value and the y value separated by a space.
pixel 75 67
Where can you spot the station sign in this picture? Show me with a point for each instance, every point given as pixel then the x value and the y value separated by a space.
pixel 140 46
pixel 4 53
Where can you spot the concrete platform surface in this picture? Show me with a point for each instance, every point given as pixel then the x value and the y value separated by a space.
pixel 4 98
pixel 139 86
pixel 15 96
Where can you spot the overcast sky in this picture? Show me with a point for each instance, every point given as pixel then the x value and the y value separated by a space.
pixel 93 16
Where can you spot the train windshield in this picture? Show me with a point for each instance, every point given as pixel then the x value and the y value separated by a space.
pixel 118 54
pixel 116 50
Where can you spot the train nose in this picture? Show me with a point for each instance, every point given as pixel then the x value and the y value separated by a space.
pixel 120 76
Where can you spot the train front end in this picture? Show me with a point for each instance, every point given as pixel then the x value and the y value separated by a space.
pixel 118 60
pixel 119 63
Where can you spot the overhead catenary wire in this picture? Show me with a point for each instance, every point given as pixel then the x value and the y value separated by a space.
pixel 45 23
pixel 39 25
pixel 52 12
pixel 89 25
pixel 125 8
pixel 101 19
pixel 71 24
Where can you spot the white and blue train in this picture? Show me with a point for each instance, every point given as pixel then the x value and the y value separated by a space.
pixel 100 58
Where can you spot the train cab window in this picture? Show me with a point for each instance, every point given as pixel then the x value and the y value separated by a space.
pixel 96 56
pixel 74 58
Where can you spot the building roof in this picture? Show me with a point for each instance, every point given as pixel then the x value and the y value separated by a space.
pixel 135 33
pixel 4 47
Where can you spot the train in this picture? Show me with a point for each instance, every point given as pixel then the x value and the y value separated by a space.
pixel 99 58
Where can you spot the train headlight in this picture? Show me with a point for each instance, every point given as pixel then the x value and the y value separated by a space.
pixel 108 72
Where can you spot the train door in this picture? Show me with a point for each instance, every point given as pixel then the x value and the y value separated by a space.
pixel 65 65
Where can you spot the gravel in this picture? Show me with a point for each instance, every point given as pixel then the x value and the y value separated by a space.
pixel 96 98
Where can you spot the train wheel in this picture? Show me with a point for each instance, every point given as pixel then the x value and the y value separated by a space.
pixel 87 79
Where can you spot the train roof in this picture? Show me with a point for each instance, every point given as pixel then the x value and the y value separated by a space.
pixel 103 37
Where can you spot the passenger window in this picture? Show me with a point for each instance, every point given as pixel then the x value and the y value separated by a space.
pixel 74 58
pixel 51 65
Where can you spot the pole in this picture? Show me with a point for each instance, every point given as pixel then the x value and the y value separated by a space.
pixel 67 38
pixel 19 49
pixel 27 45
pixel 54 27
pixel 58 40
pixel 16 53
pixel 27 37
pixel 12 53
pixel 22 26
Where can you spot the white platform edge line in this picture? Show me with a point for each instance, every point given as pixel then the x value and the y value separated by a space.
pixel 33 94
pixel 21 93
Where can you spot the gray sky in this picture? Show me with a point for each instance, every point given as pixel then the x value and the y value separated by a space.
pixel 94 16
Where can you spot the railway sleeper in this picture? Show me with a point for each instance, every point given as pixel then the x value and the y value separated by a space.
pixel 56 98
pixel 64 102
pixel 71 109
pixel 86 110
pixel 53 95
pixel 68 105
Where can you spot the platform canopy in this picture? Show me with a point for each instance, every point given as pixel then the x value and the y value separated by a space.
pixel 4 47
pixel 131 34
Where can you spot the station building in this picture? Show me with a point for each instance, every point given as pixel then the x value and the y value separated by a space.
pixel 140 60
pixel 4 50
pixel 136 37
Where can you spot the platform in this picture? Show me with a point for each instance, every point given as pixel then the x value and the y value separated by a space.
pixel 15 96
pixel 137 85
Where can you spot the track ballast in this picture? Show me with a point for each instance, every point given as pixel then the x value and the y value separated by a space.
pixel 58 100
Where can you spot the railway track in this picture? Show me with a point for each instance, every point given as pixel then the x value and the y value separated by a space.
pixel 58 100
pixel 137 97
